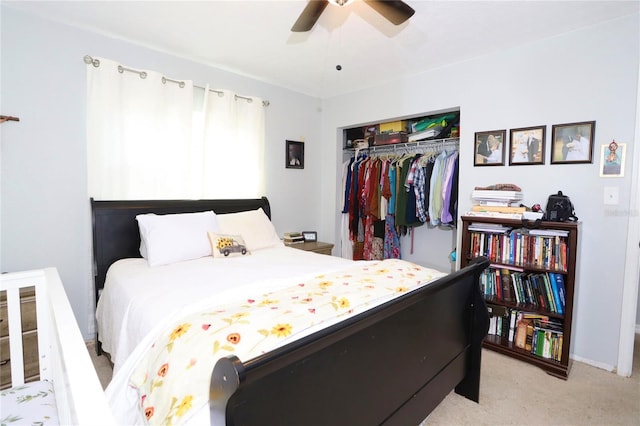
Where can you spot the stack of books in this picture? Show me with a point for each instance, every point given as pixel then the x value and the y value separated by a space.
pixel 496 196
pixel 497 203
pixel 293 238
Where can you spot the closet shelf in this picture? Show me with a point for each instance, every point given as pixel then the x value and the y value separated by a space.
pixel 409 146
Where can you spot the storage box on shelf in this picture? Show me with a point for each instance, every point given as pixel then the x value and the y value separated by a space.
pixel 393 126
pixel 424 128
pixel 529 287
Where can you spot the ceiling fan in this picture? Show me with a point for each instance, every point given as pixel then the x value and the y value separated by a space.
pixel 396 12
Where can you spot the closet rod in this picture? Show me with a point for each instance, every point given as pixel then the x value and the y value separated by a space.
pixel 437 144
pixel 96 63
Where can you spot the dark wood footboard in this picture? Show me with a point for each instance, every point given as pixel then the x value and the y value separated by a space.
pixel 390 365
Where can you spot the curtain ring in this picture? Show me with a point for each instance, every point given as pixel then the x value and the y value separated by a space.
pixel 89 60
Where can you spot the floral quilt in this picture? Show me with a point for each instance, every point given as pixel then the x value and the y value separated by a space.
pixel 173 377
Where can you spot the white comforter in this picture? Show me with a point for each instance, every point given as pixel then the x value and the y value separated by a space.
pixel 137 297
pixel 157 297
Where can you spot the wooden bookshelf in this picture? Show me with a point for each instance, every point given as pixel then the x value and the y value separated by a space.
pixel 530 264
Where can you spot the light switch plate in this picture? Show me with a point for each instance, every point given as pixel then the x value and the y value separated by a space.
pixel 611 195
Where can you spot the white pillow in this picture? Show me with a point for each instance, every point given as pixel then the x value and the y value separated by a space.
pixel 172 238
pixel 254 226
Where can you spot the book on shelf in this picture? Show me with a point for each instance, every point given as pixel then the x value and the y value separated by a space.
pixel 289 242
pixel 498 203
pixel 489 227
pixel 496 194
pixel 498 215
pixel 529 331
pixel 518 247
pixel 521 331
pixel 512 325
pixel 293 238
pixel 543 291
pixel 549 292
pixel 499 209
pixel 547 339
pixel 507 285
pixel 559 280
pixel 549 232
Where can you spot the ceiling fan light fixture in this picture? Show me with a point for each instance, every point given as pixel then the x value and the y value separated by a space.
pixel 340 2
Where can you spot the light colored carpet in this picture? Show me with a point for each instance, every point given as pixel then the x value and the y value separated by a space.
pixel 516 393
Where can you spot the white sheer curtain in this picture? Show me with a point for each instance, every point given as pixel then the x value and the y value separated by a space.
pixel 233 146
pixel 146 139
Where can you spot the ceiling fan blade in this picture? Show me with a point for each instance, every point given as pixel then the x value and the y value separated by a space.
pixel 309 15
pixel 395 11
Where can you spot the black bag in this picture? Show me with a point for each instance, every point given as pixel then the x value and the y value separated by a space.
pixel 560 209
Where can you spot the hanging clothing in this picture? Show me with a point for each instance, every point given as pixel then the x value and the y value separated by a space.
pixel 435 206
pixel 391 239
pixel 450 168
pixel 384 197
pixel 402 197
pixel 346 243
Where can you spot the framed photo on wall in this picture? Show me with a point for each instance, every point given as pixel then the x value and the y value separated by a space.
pixel 612 159
pixel 294 155
pixel 489 148
pixel 526 146
pixel 572 142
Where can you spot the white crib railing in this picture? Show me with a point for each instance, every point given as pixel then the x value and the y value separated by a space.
pixel 63 356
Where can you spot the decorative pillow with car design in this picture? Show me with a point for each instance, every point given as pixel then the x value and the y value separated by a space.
pixel 227 245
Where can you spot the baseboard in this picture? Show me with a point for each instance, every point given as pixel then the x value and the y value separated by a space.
pixel 601 365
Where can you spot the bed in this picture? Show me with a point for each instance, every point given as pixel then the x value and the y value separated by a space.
pixel 67 390
pixel 391 362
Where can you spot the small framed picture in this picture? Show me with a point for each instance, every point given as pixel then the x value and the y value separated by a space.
pixel 572 142
pixel 526 145
pixel 489 148
pixel 612 159
pixel 310 235
pixel 294 155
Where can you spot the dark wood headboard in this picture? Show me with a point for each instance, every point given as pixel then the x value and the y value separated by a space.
pixel 115 229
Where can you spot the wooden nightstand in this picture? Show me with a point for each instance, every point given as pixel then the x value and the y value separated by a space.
pixel 314 246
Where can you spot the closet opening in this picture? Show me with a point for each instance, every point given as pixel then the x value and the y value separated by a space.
pixel 400 189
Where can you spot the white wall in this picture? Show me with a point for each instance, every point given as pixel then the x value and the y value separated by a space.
pixel 580 76
pixel 45 213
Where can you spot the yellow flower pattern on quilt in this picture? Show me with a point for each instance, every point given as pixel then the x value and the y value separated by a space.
pixel 173 378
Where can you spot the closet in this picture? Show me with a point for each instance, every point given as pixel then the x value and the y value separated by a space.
pixel 399 198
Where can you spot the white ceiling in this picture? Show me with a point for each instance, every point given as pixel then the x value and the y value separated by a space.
pixel 253 38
